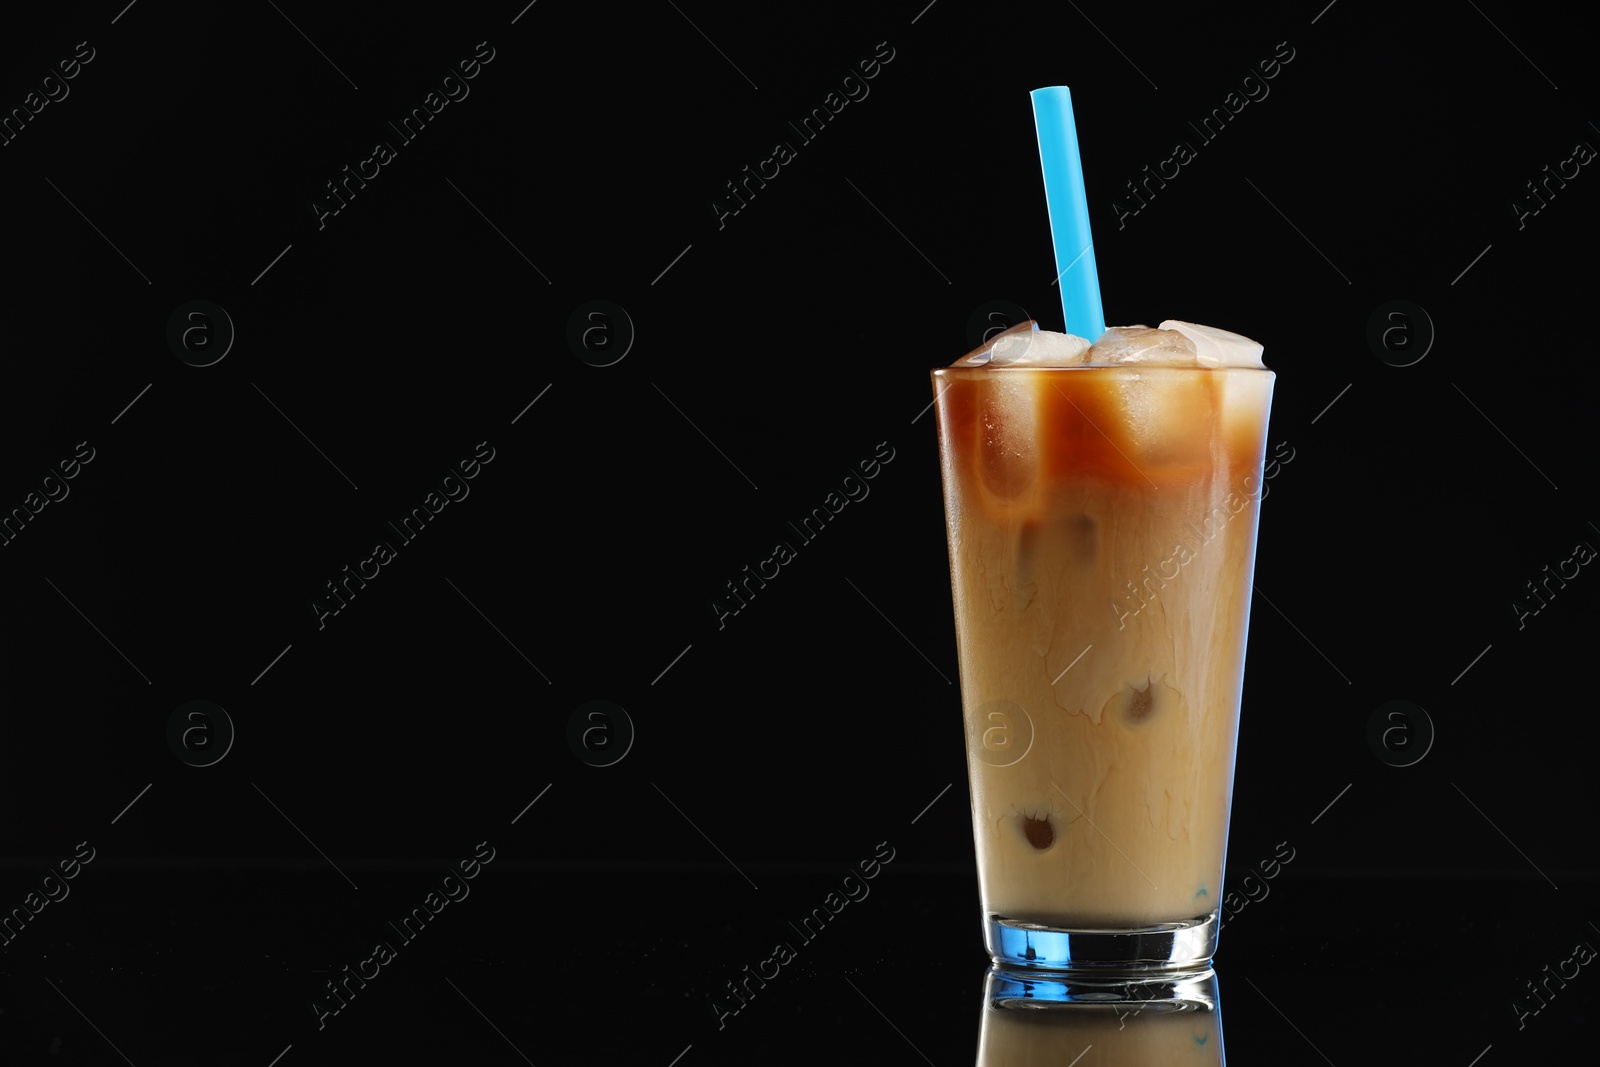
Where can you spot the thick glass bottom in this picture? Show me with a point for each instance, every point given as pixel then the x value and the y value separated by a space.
pixel 1177 946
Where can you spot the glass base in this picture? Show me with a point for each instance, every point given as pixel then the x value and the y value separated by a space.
pixel 1177 946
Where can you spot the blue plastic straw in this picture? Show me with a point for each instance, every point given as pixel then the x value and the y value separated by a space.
pixel 1069 212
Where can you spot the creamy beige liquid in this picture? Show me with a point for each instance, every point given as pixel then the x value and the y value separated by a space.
pixel 1102 528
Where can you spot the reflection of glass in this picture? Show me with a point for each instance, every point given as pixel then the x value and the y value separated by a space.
pixel 1032 1018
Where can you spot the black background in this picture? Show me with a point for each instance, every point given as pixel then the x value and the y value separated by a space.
pixel 769 354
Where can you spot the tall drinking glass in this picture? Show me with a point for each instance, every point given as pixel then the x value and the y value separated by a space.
pixel 1102 532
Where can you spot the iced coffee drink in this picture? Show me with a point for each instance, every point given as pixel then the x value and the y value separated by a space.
pixel 1102 505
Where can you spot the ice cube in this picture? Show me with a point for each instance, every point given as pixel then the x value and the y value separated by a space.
pixel 1038 348
pixel 1140 344
pixel 1166 414
pixel 1218 348
pixel 1008 448
pixel 981 355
